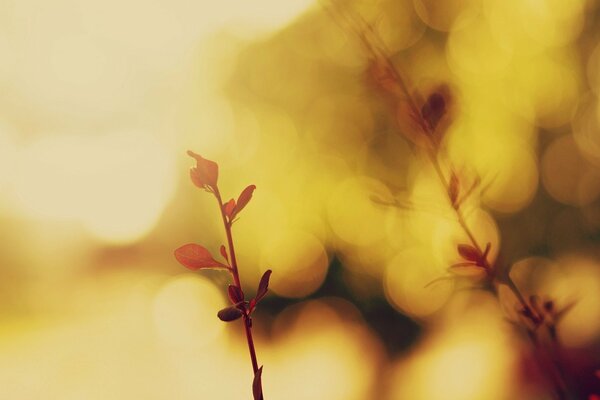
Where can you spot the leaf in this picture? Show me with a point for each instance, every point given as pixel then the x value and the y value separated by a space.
pixel 194 257
pixel 235 294
pixel 434 109
pixel 229 208
pixel 230 313
pixel 257 385
pixel 224 252
pixel 453 188
pixel 243 200
pixel 564 310
pixel 468 252
pixel 205 173
pixel 196 179
pixel 534 301
pixel 263 286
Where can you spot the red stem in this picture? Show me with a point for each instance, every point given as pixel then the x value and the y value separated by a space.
pixel 236 280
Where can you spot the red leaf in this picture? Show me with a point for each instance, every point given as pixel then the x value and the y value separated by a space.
pixel 224 252
pixel 235 294
pixel 257 385
pixel 229 314
pixel 263 286
pixel 229 208
pixel 469 252
pixel 194 256
pixel 243 200
pixel 205 173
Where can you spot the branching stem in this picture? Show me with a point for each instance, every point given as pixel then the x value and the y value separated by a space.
pixel 236 279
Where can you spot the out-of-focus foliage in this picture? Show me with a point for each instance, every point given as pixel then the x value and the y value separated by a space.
pixel 100 101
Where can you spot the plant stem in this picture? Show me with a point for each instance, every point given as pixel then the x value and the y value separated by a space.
pixel 377 51
pixel 236 280
pixel 554 371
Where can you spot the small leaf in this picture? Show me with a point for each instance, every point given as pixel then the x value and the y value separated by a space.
pixel 453 188
pixel 235 294
pixel 564 310
pixel 257 385
pixel 468 252
pixel 534 300
pixel 224 252
pixel 229 314
pixel 434 109
pixel 263 286
pixel 205 173
pixel 229 208
pixel 243 200
pixel 194 257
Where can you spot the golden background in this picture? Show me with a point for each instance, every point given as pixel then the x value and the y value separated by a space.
pixel 99 102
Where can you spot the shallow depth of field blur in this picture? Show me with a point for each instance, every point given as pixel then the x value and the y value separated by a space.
pixel 99 101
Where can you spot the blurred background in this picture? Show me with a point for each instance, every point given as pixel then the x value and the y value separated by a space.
pixel 99 102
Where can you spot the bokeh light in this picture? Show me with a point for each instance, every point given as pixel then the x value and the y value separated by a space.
pixel 456 365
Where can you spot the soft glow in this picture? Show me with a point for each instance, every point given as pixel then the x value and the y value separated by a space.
pixel 353 216
pixel 473 51
pixel 585 125
pixel 116 185
pixel 300 261
pixel 185 312
pixel 262 16
pixel 99 103
pixel 322 357
pixel 8 157
pixel 471 361
pixel 551 22
pixel 563 169
pixel 412 282
pixel 440 15
pixel 544 85
pixel 501 157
